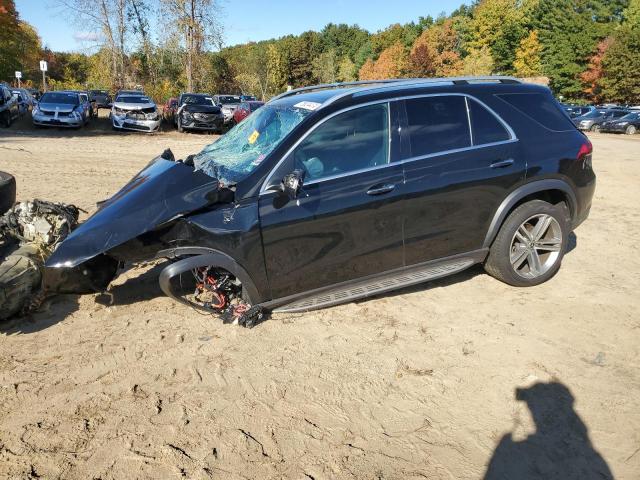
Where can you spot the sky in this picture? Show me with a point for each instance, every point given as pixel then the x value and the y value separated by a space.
pixel 251 20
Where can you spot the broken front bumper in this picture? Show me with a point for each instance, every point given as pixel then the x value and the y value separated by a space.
pixel 125 122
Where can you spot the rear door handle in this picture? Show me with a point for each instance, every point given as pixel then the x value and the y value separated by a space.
pixel 381 189
pixel 502 163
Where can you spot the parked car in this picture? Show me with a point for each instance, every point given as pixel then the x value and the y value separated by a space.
pixel 228 104
pixel 577 111
pixel 169 110
pixel 629 124
pixel 9 108
pixel 60 109
pixel 88 105
pixel 328 195
pixel 196 111
pixel 24 101
pixel 245 109
pixel 593 120
pixel 35 93
pixel 101 98
pixel 135 111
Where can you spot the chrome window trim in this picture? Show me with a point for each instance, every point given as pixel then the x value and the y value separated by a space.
pixel 513 138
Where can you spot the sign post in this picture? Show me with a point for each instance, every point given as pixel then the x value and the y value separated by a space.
pixel 43 68
pixel 18 76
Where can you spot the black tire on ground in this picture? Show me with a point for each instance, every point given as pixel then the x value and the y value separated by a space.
pixel 7 191
pixel 498 263
pixel 595 128
pixel 5 119
pixel 631 130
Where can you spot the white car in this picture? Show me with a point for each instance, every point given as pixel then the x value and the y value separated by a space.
pixel 135 111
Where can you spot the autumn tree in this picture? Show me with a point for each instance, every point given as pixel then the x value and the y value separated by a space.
pixel 478 62
pixel 347 71
pixel 368 70
pixel 620 79
pixel 392 63
pixel 435 52
pixel 591 77
pixel 527 62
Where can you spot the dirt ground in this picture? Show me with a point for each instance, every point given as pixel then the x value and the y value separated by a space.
pixel 416 384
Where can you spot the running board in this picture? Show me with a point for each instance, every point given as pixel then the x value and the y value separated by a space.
pixel 375 285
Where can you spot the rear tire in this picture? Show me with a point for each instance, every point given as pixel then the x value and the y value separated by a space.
pixel 631 130
pixel 530 245
pixel 7 191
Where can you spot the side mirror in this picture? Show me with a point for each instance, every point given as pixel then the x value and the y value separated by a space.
pixel 292 183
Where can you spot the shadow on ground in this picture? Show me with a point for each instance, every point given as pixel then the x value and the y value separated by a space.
pixel 560 449
pixel 52 311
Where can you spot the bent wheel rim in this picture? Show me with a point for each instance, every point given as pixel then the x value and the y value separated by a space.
pixel 535 247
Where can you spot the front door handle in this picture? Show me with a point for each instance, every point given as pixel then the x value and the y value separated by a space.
pixel 502 163
pixel 381 189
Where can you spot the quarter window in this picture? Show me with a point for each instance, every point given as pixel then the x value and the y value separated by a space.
pixel 485 126
pixel 437 124
pixel 351 141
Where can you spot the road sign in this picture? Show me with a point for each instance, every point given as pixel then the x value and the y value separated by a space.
pixel 43 65
pixel 18 74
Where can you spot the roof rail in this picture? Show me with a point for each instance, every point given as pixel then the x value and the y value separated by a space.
pixel 400 81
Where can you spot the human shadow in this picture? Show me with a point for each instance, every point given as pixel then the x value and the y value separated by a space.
pixel 560 449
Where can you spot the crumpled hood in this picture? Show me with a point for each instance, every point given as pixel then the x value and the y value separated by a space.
pixel 133 106
pixel 162 191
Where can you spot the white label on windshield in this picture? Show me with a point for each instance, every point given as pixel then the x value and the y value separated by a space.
pixel 308 105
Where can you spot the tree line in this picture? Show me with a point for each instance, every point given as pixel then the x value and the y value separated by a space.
pixel 589 49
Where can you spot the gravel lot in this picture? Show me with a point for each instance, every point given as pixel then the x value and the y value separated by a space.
pixel 417 384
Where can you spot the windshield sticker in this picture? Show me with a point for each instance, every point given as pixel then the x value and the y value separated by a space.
pixel 308 105
pixel 253 137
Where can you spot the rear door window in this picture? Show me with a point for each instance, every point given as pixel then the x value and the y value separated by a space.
pixel 437 124
pixel 486 128
pixel 351 141
pixel 541 108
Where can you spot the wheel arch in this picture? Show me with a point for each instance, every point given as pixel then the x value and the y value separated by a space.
pixel 201 257
pixel 551 190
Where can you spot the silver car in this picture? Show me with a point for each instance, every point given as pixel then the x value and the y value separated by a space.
pixel 59 109
pixel 135 111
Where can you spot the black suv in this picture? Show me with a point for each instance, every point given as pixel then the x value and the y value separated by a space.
pixel 197 111
pixel 333 193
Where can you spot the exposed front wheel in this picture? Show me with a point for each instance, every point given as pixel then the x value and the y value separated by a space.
pixel 529 247
pixel 631 130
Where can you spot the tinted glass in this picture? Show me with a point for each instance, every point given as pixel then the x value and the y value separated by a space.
pixel 351 141
pixel 65 98
pixel 541 108
pixel 228 99
pixel 437 124
pixel 197 100
pixel 132 99
pixel 485 126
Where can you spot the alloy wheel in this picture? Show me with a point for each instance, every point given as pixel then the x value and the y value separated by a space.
pixel 535 246
pixel 631 130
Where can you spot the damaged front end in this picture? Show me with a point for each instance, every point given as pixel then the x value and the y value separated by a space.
pixel 151 217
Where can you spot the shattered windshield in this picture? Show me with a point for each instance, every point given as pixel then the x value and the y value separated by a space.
pixel 237 153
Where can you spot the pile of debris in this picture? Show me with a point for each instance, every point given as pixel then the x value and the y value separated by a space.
pixel 29 233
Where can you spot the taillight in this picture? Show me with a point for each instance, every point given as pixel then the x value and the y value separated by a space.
pixel 585 150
